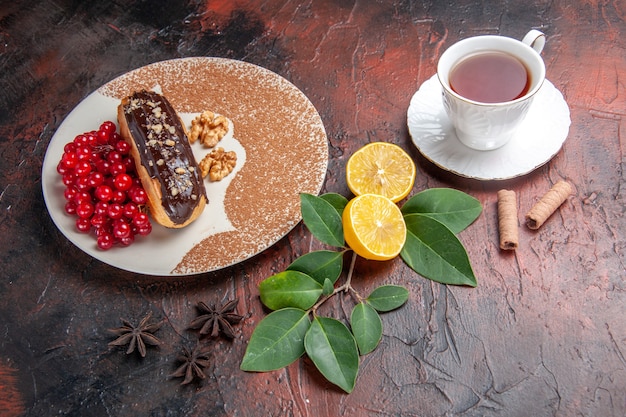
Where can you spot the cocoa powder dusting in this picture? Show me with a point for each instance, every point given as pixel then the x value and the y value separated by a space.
pixel 282 133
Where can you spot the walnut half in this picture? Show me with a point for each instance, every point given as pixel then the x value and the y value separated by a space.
pixel 208 128
pixel 217 164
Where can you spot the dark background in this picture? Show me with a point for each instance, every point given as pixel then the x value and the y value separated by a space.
pixel 543 333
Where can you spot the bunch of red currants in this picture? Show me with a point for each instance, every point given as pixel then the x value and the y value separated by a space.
pixel 102 187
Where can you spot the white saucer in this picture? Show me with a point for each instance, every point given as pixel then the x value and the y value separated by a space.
pixel 537 140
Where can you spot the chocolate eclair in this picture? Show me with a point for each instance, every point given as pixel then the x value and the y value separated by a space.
pixel 163 157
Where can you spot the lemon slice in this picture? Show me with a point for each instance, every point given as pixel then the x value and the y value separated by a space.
pixel 381 168
pixel 374 227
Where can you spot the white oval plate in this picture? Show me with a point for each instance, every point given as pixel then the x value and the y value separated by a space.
pixel 537 140
pixel 281 147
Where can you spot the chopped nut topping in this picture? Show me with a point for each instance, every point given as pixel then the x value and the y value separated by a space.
pixel 135 103
pixel 209 128
pixel 170 142
pixel 160 162
pixel 218 164
pixel 180 170
pixel 174 191
pixel 158 128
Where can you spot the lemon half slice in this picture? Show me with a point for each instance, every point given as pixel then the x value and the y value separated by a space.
pixel 381 168
pixel 374 227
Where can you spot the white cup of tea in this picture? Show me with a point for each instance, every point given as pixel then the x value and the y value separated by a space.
pixel 488 85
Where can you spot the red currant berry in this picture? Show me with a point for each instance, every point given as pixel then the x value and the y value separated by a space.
pixel 70 193
pixel 70 208
pixel 105 241
pixel 103 136
pixel 128 240
pixel 83 152
pixel 103 166
pixel 101 207
pixel 121 229
pixel 117 168
pixel 83 168
pixel 116 210
pixel 145 229
pixel 80 140
pixel 69 147
pixel 129 164
pixel 95 179
pixel 138 195
pixel 130 209
pixel 98 220
pixel 84 210
pixel 114 156
pixel 103 193
pixel 115 137
pixel 69 178
pixel 95 157
pixel 83 225
pixel 82 183
pixel 92 139
pixel 119 196
pixel 140 219
pixel 61 169
pixel 69 159
pixel 82 197
pixel 122 147
pixel 123 182
pixel 107 126
pixel 105 228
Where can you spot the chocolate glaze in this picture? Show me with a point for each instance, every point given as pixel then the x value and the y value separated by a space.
pixel 165 153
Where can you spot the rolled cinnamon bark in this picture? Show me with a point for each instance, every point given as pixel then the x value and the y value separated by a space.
pixel 507 220
pixel 548 204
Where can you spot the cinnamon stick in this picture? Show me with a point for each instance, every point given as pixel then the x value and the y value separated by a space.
pixel 507 220
pixel 548 204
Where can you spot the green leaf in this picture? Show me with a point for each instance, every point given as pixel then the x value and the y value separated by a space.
pixel 277 341
pixel 366 327
pixel 433 251
pixel 333 350
pixel 338 201
pixel 328 287
pixel 289 289
pixel 453 208
pixel 388 297
pixel 319 265
pixel 322 220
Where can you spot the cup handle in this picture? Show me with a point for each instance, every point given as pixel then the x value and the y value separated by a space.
pixel 535 39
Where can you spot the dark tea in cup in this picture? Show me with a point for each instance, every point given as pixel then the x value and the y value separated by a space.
pixel 490 77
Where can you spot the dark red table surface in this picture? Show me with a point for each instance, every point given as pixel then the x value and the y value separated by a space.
pixel 543 334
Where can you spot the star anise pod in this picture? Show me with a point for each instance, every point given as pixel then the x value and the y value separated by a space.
pixel 136 336
pixel 193 361
pixel 214 320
